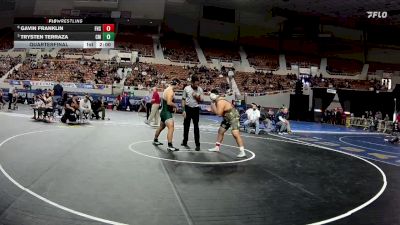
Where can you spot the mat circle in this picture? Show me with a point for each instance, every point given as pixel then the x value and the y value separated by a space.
pixel 253 155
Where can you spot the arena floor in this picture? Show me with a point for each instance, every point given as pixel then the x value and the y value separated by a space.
pixel 108 172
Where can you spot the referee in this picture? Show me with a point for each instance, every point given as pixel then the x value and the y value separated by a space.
pixel 192 95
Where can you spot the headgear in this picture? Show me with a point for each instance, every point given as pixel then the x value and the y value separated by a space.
pixel 214 95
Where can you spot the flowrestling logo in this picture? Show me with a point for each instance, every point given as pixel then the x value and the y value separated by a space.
pixel 377 14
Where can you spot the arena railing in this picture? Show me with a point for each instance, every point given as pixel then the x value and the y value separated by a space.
pixel 343 74
pixel 265 68
pixel 382 125
pixel 182 61
pixel 268 93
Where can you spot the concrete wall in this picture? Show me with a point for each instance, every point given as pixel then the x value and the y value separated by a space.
pixel 51 7
pixel 273 101
pixel 218 30
pixel 345 33
pixel 143 9
pixel 182 17
pixel 24 8
pixel 6 19
pixel 384 55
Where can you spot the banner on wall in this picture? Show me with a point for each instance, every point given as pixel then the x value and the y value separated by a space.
pixel 14 82
pixel 50 84
pixel 42 83
pixel 68 85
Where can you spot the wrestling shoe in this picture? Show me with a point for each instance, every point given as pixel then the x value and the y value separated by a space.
pixel 197 148
pixel 172 149
pixel 157 143
pixel 215 149
pixel 242 154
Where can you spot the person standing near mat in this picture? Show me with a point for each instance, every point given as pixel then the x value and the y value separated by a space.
pixel 191 97
pixel 10 95
pixel 167 120
pixel 148 100
pixel 155 106
pixel 222 107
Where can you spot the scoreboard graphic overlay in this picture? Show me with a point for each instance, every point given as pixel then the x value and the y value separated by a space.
pixel 63 33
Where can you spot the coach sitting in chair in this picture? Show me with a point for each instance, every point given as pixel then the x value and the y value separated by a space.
pixel 47 108
pixel 253 118
pixel 282 122
pixel 99 106
pixel 85 107
pixel 71 106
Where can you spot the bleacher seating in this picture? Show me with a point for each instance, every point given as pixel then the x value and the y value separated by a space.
pixel 225 51
pixel 179 48
pixel 345 83
pixel 150 75
pixel 71 70
pixel 7 63
pixel 135 42
pixel 300 46
pixel 386 67
pixel 6 40
pixel 262 83
pixel 302 60
pixel 136 38
pixel 79 51
pixel 345 66
pixel 262 58
pixel 270 43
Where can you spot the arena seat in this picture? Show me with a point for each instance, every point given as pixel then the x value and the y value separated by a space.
pixel 386 67
pixel 223 50
pixel 346 66
pixel 262 58
pixel 179 48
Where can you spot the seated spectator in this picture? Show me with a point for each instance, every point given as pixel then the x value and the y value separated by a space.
pixel 387 118
pixel 253 118
pixel 47 106
pixel 2 103
pixel 267 120
pixel 37 106
pixel 14 100
pixel 71 108
pixel 85 107
pixel 98 106
pixel 282 122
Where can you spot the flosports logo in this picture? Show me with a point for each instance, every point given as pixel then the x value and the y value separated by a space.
pixel 377 14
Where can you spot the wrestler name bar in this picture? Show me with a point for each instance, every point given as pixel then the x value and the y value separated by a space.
pixel 67 36
pixel 60 28
pixel 63 44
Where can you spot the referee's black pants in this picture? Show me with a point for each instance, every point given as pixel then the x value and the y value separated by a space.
pixel 191 114
pixel 148 110
pixel 10 99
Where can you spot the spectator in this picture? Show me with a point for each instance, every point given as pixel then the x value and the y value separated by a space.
pixel 99 106
pixel 386 119
pixel 282 122
pixel 378 115
pixel 85 107
pixel 148 99
pixel 253 118
pixel 267 121
pixel 37 106
pixel 71 106
pixel 58 91
pixel 47 105
pixel 2 103
pixel 155 106
pixel 10 95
